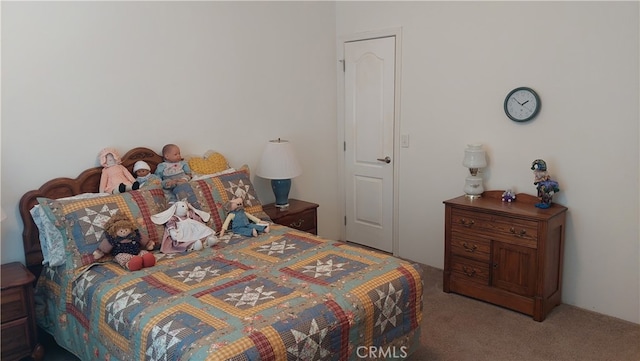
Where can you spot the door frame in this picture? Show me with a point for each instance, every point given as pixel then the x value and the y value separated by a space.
pixel 390 32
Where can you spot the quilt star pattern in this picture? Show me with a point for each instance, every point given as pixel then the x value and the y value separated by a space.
pixel 286 295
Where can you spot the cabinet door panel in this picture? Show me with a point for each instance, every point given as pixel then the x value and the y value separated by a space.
pixel 514 268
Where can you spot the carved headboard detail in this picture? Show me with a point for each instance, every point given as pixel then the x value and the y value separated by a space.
pixel 87 182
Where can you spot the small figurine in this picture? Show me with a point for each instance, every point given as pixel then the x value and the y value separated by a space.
pixel 123 241
pixel 545 185
pixel 240 220
pixel 185 229
pixel 115 177
pixel 508 196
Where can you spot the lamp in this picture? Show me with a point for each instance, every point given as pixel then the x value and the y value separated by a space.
pixel 474 159
pixel 279 163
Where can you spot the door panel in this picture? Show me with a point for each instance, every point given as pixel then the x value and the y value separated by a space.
pixel 369 139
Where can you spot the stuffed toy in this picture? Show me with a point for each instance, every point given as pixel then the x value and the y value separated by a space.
pixel 115 177
pixel 185 228
pixel 122 239
pixel 240 220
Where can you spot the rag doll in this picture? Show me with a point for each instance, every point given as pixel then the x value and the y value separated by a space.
pixel 240 220
pixel 144 177
pixel 184 228
pixel 173 170
pixel 115 177
pixel 122 239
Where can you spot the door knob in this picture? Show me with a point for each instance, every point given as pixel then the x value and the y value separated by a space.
pixel 385 159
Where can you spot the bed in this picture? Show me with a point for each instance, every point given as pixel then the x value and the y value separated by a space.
pixel 285 295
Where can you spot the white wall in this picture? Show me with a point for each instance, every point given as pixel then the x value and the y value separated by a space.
pixel 229 76
pixel 459 60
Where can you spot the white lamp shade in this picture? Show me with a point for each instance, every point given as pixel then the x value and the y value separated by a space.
pixel 474 156
pixel 278 161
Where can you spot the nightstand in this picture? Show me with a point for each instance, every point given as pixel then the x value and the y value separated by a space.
pixel 19 336
pixel 300 215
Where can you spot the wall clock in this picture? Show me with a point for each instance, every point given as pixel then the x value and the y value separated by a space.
pixel 522 104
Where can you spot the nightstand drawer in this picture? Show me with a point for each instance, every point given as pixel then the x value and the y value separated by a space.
pixel 299 215
pixel 15 338
pixel 304 221
pixel 14 304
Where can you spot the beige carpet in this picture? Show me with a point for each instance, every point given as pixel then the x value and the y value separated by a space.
pixel 459 328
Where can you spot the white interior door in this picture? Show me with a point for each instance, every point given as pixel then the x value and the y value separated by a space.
pixel 369 141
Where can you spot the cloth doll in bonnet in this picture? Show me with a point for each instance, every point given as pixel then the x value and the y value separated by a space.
pixel 115 177
pixel 144 177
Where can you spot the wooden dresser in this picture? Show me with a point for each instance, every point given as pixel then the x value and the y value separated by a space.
pixel 508 254
pixel 19 336
pixel 300 215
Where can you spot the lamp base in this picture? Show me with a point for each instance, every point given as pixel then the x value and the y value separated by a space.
pixel 281 188
pixel 473 187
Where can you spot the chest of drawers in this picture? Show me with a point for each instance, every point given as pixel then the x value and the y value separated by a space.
pixel 509 254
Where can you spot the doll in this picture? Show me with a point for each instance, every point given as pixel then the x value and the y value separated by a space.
pixel 546 186
pixel 539 168
pixel 122 239
pixel 173 170
pixel 240 220
pixel 144 177
pixel 115 177
pixel 184 228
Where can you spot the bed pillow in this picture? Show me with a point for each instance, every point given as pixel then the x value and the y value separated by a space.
pixel 80 221
pixel 51 240
pixel 210 195
pixel 212 162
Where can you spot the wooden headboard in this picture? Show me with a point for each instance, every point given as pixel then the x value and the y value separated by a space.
pixel 87 182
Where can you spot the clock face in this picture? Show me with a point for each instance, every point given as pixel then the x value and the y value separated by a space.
pixel 522 104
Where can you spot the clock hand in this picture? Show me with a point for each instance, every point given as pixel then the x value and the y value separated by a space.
pixel 516 100
pixel 524 103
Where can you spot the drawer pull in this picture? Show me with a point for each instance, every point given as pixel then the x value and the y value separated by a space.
pixel 469 271
pixel 466 223
pixel 469 248
pixel 522 233
pixel 297 224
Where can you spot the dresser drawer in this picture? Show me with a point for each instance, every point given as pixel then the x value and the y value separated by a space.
pixel 304 221
pixel 14 304
pixel 15 338
pixel 507 229
pixel 469 270
pixel 470 247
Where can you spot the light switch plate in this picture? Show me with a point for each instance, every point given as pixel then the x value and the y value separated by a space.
pixel 404 140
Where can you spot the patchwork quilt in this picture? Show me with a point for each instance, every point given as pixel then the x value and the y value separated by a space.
pixel 286 295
